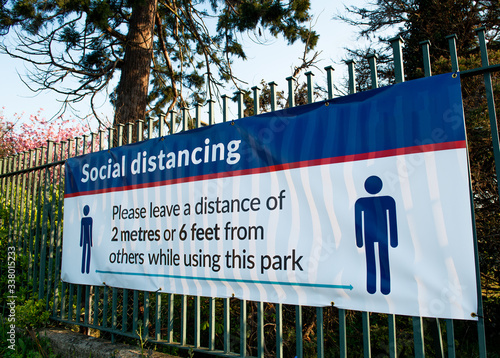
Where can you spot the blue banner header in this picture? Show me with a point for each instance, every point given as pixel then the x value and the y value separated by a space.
pixel 399 119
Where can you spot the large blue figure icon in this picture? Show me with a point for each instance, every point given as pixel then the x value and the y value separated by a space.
pixel 375 221
pixel 86 239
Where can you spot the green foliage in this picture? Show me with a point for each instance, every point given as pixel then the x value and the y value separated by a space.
pixel 417 21
pixel 32 314
pixel 482 165
pixel 190 55
pixel 26 345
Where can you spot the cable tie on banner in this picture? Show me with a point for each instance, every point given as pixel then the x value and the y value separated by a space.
pixel 104 284
pixel 454 75
pixel 232 123
pixel 474 315
pixel 159 289
pixel 327 104
pixel 232 295
pixel 333 304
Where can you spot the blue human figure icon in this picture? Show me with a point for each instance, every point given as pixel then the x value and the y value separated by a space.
pixel 86 239
pixel 375 223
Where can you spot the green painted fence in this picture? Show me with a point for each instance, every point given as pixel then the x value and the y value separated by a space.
pixel 32 185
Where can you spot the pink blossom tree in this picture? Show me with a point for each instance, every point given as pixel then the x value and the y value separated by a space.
pixel 19 134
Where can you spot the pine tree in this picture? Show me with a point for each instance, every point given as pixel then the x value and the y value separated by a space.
pixel 166 53
pixel 421 20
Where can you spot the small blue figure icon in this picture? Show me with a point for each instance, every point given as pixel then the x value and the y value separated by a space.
pixel 375 221
pixel 86 239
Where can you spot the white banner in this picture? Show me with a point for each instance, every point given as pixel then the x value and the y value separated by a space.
pixel 388 230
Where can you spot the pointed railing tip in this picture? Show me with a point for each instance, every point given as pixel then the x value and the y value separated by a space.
pixel 396 38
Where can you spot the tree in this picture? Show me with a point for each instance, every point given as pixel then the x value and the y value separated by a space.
pixel 158 47
pixel 433 20
pixel 19 134
pixel 421 20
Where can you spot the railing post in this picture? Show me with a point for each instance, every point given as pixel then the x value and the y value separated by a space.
pixel 158 317
pixel 58 241
pixel 211 324
pixel 197 123
pixel 16 183
pixel 111 132
pixel 260 329
pixel 135 312
pixel 392 336
pixel 437 340
pixel 418 337
pixel 130 132
pixel 183 320
pixel 161 125
pixel 342 334
pixel 372 60
pixel 291 92
pixel 397 43
pixel 124 310
pixel 172 122
pixel 101 139
pixel 120 134
pixel 299 348
pixel 93 139
pixel 150 127
pixel 450 338
pixel 320 336
pixel 256 100
pixel 452 43
pixel 427 57
pixel 114 294
pixel 170 324
pixel 140 129
pixel 227 322
pixel 197 317
pixel 310 85
pixel 279 330
pixel 496 152
pixel 272 86
pixel 53 228
pixel 84 143
pixel 145 333
pixel 243 327
pixel 329 81
pixel 45 214
pixel 224 108
pixel 352 76
pixel 366 335
pixel 211 114
pixel 239 99
pixel 105 304
pixel 2 171
pixel 185 119
pixel 114 313
pixel 70 286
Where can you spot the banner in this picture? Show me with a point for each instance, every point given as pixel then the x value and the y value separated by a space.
pixel 361 202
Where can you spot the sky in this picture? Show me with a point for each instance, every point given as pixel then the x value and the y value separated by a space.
pixel 271 61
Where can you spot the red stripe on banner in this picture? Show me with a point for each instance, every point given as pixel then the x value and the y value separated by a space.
pixel 275 168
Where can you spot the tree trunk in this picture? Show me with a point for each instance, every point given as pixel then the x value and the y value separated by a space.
pixel 132 90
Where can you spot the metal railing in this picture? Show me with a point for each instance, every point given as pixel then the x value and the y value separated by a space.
pixel 32 195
